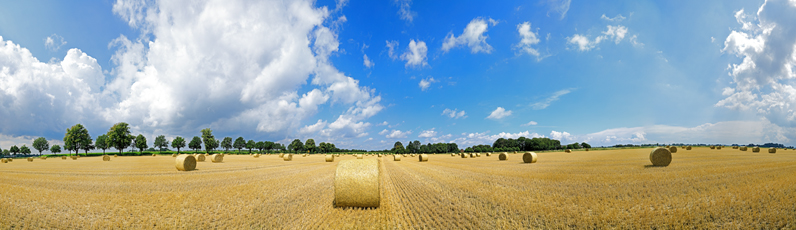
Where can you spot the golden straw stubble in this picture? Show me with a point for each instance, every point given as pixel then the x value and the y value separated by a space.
pixel 423 157
pixel 529 157
pixel 356 183
pixel 30 159
pixel 185 162
pixel 660 157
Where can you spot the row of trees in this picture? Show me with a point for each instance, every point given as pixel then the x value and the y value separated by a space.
pixel 531 144
pixel 416 147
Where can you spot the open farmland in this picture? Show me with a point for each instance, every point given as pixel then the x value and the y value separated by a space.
pixel 702 188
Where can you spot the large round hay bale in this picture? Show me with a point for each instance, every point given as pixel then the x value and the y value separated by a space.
pixel 488 154
pixel 287 157
pixel 464 155
pixel 4 160
pixel 477 154
pixel 256 155
pixel 217 158
pixel 503 156
pixel 43 157
pixel 718 147
pixel 688 148
pixel 529 157
pixel 772 150
pixel 30 159
pixel 742 148
pixel 396 157
pixel 63 157
pixel 756 149
pixel 712 147
pixel 423 157
pixel 356 183
pixel 660 157
pixel 186 162
pixel 472 155
pixel 735 147
pixel 330 158
pixel 453 154
pixel 567 150
pixel 673 149
pixel 587 149
pixel 106 158
pixel 114 155
pixel 359 156
pixel 304 155
pixel 199 157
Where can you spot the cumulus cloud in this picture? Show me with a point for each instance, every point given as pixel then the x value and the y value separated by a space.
pixel 427 133
pixel 528 38
pixel 54 42
pixel 415 55
pixel 405 10
pixel 367 62
pixel 455 114
pixel 547 101
pixel 529 123
pixel 472 36
pixel 561 136
pixel 499 113
pixel 425 83
pixel 765 45
pixel 395 134
pixel 313 128
pixel 615 33
pixel 618 18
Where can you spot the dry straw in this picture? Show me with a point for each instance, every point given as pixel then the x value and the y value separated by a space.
pixel 688 148
pixel 10 159
pixel 106 158
pixel 503 156
pixel 396 157
pixel 30 159
pixel 478 154
pixel 453 154
pixel 4 160
pixel 756 149
pixel 217 158
pixel 423 157
pixel 356 183
pixel 281 155
pixel 673 149
pixel 43 157
pixel 735 147
pixel 256 155
pixel 287 157
pixel 568 151
pixel 472 155
pixel 329 158
pixel 712 147
pixel 199 157
pixel 718 147
pixel 660 157
pixel 186 162
pixel 529 157
pixel 359 156
pixel 114 155
pixel 488 154
pixel 73 157
pixel 587 150
pixel 742 148
pixel 63 157
pixel 772 150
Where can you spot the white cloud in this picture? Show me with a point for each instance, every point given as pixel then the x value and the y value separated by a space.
pixel 415 55
pixel 313 128
pixel 559 6
pixel 397 134
pixel 428 133
pixel 561 136
pixel 546 102
pixel 766 46
pixel 472 36
pixel 499 113
pixel 618 18
pixel 616 33
pixel 391 47
pixel 455 114
pixel 367 62
pixel 425 83
pixel 405 11
pixel 54 42
pixel 529 123
pixel 383 124
pixel 528 38
pixel 385 131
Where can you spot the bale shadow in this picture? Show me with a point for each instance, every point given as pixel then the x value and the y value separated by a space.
pixel 334 205
pixel 655 166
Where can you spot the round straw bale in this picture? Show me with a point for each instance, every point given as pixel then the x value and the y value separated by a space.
pixel 396 157
pixel 503 156
pixel 256 155
pixel 673 149
pixel 735 147
pixel 304 155
pixel 217 158
pixel 379 155
pixel 568 150
pixel 359 156
pixel 718 147
pixel 712 147
pixel 356 183
pixel 114 155
pixel 43 157
pixel 199 157
pixel 529 157
pixel 30 159
pixel 10 159
pixel 173 155
pixel 660 157
pixel 688 148
pixel 453 154
pixel 106 158
pixel 756 149
pixel 281 155
pixel 63 157
pixel 329 158
pixel 185 162
pixel 464 155
pixel 287 157
pixel 742 148
pixel 4 160
pixel 472 155
pixel 587 149
pixel 423 157
pixel 477 154
pixel 772 150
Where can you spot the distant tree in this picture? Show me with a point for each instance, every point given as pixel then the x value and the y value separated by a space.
pixel 161 142
pixel 140 143
pixel 178 143
pixel 55 149
pixel 260 146
pixel 310 145
pixel 209 140
pixel 88 147
pixel 468 150
pixel 196 143
pixel 269 145
pixel 24 149
pixel 102 143
pixel 239 143
pixel 6 152
pixel 76 137
pixel 14 150
pixel 398 148
pixel 41 144
pixel 119 137
pixel 585 145
pixel 250 145
pixel 226 144
pixel 296 146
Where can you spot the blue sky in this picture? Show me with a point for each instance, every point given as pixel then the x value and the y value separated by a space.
pixel 364 74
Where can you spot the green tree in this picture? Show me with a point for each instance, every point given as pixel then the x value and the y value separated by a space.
pixel 140 143
pixel 119 137
pixel 55 149
pixel 260 146
pixel 41 144
pixel 24 149
pixel 239 143
pixel 102 143
pixel 250 145
pixel 6 152
pixel 398 148
pixel 310 145
pixel 468 150
pixel 178 143
pixel 14 150
pixel 87 145
pixel 76 137
pixel 161 142
pixel 226 144
pixel 196 143
pixel 296 146
pixel 209 140
pixel 585 145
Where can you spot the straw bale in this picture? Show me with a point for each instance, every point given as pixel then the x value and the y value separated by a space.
pixel 356 183
pixel 329 158
pixel 423 157
pixel 217 158
pixel 660 157
pixel 288 157
pixel 529 157
pixel 503 156
pixel 186 162
pixel 106 158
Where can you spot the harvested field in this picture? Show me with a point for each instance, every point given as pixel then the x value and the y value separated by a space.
pixel 600 188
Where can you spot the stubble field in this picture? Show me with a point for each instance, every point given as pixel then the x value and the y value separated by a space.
pixel 702 188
